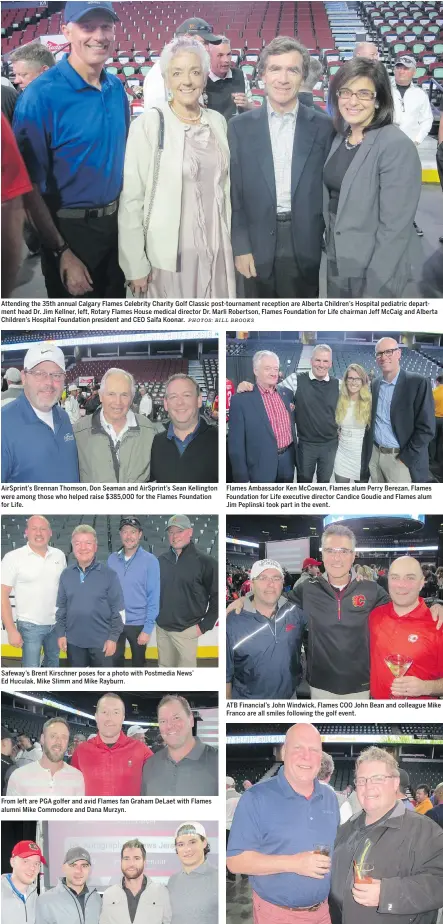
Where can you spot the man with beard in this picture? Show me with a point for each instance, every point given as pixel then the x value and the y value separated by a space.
pixel 138 898
pixel 50 776
pixel 185 766
pixel 72 900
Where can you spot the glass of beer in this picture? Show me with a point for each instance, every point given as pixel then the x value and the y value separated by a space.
pixel 323 849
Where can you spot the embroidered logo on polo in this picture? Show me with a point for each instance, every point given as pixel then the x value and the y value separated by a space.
pixel 413 638
pixel 359 600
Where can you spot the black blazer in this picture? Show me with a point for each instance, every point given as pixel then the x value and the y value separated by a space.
pixel 412 420
pixel 253 194
pixel 252 445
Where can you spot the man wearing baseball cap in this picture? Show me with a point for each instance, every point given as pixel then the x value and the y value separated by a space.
pixel 412 109
pixel 71 901
pixel 310 569
pixel 71 404
pixel 139 575
pixel 188 596
pixel 263 641
pixel 193 891
pixel 137 733
pixel 154 90
pixel 38 444
pixel 19 889
pixel 8 741
pixel 71 127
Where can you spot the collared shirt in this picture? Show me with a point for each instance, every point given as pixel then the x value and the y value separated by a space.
pixel 272 818
pixel 182 444
pixel 414 635
pixel 228 76
pixel 291 380
pixel 73 136
pixel 35 580
pixel 117 437
pixel 132 899
pixel 383 432
pixel 282 131
pixel 33 780
pixel 278 416
pixel 193 775
pixel 194 895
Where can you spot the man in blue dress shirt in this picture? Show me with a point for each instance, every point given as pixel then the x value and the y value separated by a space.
pixel 277 829
pixel 71 127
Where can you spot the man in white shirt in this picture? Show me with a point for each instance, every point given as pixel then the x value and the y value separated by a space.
pixel 50 776
pixel 33 572
pixel 227 89
pixel 412 109
pixel 72 406
pixel 154 89
pixel 145 407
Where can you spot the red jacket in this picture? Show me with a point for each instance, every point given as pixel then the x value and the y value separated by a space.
pixel 111 771
pixel 414 635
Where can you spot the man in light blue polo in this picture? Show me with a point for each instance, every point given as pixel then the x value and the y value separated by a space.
pixel 71 127
pixel 38 444
pixel 277 831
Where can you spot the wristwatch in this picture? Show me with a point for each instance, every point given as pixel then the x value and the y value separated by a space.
pixel 60 250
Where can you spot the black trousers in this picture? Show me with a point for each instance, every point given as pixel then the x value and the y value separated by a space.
pixel 312 456
pixel 94 241
pixel 436 445
pixel 87 657
pixel 286 280
pixel 286 466
pixel 138 652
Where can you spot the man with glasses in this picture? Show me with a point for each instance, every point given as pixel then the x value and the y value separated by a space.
pixel 38 444
pixel 397 854
pixel 277 831
pixel 403 420
pixel 263 640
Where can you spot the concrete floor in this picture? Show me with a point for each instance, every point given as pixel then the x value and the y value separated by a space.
pixel 238 901
pixel 426 282
pixel 202 662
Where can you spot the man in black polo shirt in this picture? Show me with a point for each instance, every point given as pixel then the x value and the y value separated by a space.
pixel 185 766
pixel 227 90
pixel 188 596
pixel 188 450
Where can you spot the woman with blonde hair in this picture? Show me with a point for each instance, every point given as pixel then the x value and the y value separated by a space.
pixel 353 416
pixel 175 209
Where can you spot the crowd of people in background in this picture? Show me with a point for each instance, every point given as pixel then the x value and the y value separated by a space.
pixel 112 761
pixel 109 436
pixel 202 192
pixel 310 425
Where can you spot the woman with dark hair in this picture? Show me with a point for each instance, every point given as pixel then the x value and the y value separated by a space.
pixel 372 184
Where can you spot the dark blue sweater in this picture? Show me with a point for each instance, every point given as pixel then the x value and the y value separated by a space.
pixel 32 451
pixel 89 606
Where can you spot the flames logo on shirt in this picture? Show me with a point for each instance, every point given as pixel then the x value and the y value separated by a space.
pixel 359 600
pixel 413 638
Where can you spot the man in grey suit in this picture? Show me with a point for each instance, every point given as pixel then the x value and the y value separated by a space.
pixel 277 158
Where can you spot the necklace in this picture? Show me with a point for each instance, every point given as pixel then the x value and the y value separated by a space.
pixel 349 146
pixel 182 118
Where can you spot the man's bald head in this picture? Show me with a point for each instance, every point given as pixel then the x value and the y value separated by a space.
pixel 302 753
pixel 388 354
pixel 366 50
pixel 405 581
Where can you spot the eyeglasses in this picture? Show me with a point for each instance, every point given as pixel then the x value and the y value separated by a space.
pixel 353 378
pixel 337 551
pixel 42 376
pixel 268 580
pixel 375 780
pixel 362 95
pixel 387 353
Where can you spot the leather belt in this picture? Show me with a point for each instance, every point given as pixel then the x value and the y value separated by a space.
pixel 280 453
pixel 309 908
pixel 284 216
pixel 89 212
pixel 385 450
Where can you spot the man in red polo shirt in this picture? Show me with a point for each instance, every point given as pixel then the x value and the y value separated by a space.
pixel 405 627
pixel 111 763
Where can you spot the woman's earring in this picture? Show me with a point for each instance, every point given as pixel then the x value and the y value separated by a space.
pixel 377 105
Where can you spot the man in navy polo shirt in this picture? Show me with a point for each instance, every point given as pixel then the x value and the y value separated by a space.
pixel 277 829
pixel 38 443
pixel 71 128
pixel 263 641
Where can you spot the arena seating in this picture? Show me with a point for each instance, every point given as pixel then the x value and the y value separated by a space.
pixel 154 533
pixel 411 361
pixel 22 722
pixel 239 366
pixel 430 773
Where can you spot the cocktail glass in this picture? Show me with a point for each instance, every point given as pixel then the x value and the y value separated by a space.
pixel 398 665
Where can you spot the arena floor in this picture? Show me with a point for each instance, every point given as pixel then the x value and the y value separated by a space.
pixel 426 282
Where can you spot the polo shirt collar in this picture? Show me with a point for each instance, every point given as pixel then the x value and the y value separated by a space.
pixel 199 871
pixel 291 793
pixel 195 754
pixel 419 611
pixel 173 436
pixel 214 77
pixel 48 552
pixel 94 564
pixel 312 377
pixel 75 79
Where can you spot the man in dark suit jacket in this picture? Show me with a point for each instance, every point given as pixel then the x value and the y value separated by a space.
pixel 277 158
pixel 261 427
pixel 403 421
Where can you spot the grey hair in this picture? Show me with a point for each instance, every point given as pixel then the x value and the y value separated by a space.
pixel 34 53
pixel 182 375
pixel 360 45
pixel 315 74
pixel 321 348
pixel 184 45
pixel 282 45
pixel 378 754
pixel 85 528
pixel 327 766
pixel 109 372
pixel 336 530
pixel 257 357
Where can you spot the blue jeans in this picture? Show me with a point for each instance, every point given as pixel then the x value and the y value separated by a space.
pixel 34 636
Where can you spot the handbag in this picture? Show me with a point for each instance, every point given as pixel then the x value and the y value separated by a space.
pixel 158 153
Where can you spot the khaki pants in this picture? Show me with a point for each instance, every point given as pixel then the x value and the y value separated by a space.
pixel 386 468
pixel 177 649
pixel 323 694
